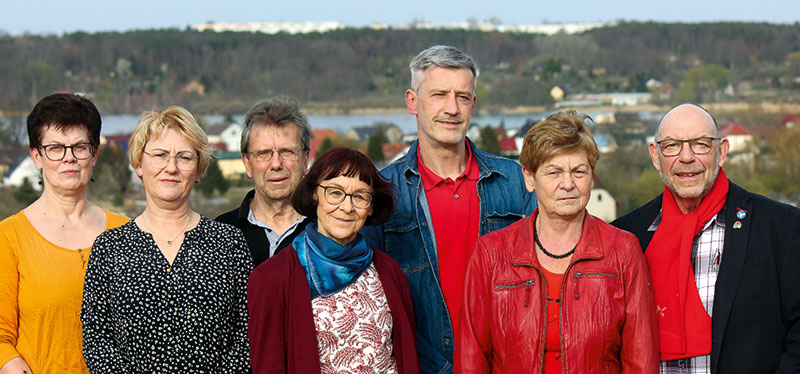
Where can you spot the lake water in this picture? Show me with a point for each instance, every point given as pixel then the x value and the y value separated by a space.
pixel 125 123
pixel 116 124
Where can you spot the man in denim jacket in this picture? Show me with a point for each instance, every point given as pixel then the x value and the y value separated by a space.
pixel 446 186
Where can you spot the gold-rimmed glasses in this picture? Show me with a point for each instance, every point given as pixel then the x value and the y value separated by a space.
pixel 184 160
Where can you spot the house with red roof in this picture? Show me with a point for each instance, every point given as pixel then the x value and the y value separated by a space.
pixel 738 136
pixel 790 120
pixel 317 137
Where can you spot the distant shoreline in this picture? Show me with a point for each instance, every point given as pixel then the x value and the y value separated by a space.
pixel 767 107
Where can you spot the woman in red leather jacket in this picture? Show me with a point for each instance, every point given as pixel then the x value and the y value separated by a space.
pixel 560 291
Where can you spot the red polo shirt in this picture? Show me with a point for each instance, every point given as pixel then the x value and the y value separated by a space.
pixel 455 211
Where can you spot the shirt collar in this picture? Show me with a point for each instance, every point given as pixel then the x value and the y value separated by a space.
pixel 255 221
pixel 719 219
pixel 431 180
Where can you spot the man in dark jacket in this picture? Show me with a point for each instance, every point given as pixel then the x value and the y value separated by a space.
pixel 275 148
pixel 724 261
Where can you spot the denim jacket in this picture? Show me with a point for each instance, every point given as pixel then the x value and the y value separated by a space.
pixel 408 238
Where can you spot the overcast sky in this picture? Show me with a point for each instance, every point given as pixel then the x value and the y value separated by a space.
pixel 59 16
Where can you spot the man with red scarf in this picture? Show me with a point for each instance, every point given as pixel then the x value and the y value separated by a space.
pixel 725 262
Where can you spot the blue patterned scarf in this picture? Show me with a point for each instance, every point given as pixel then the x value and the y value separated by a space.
pixel 330 266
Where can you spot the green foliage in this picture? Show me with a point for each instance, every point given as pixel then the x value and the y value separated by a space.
pixel 356 68
pixel 551 66
pixel 325 146
pixel 375 145
pixel 628 175
pixel 25 193
pixel 489 142
pixel 213 181
pixel 112 175
pixel 702 84
pixel 338 141
pixel 786 159
pixel 8 203
pixel 646 187
pixel 12 131
pixel 42 78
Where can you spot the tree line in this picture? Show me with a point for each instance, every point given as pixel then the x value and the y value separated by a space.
pixel 126 72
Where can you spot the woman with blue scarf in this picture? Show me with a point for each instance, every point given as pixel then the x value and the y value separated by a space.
pixel 330 303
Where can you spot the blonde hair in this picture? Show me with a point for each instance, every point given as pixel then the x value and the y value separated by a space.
pixel 154 122
pixel 559 133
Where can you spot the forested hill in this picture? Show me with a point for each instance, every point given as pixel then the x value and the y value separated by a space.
pixel 364 68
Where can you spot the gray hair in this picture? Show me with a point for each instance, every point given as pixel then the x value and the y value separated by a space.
pixel 276 111
pixel 713 119
pixel 443 56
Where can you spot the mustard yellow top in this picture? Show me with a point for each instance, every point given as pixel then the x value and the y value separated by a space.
pixel 41 286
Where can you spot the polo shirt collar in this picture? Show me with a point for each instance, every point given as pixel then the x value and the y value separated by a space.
pixel 430 180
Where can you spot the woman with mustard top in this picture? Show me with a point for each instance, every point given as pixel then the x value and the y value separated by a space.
pixel 45 247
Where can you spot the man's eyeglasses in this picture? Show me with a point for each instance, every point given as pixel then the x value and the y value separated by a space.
pixel 184 160
pixel 56 152
pixel 674 147
pixel 336 195
pixel 284 153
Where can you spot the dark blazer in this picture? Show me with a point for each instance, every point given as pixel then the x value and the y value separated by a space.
pixel 254 235
pixel 283 337
pixel 755 325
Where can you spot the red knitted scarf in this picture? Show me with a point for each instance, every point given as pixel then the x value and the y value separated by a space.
pixel 684 324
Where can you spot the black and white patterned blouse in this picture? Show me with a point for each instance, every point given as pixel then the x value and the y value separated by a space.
pixel 142 315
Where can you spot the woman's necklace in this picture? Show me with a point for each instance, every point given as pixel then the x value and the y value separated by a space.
pixel 169 242
pixel 536 238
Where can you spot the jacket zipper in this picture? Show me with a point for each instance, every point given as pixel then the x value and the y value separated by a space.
pixel 579 275
pixel 562 314
pixel 526 283
pixel 543 334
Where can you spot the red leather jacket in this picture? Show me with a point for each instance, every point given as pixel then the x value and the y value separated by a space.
pixel 608 315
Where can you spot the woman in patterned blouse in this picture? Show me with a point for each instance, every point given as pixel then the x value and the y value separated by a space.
pixel 331 304
pixel 167 291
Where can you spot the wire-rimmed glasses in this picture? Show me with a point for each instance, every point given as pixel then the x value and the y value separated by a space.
pixel 184 160
pixel 285 154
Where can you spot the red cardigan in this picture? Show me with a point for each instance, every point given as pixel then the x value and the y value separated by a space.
pixel 283 338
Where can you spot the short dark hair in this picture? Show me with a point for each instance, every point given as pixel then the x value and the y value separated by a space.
pixel 63 111
pixel 276 111
pixel 348 162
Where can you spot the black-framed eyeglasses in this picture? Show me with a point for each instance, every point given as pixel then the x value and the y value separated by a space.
pixel 56 152
pixel 699 146
pixel 335 196
pixel 285 154
pixel 184 160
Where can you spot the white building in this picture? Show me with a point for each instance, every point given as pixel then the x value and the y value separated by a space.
pixel 738 137
pixel 602 205
pixel 273 27
pixel 229 134
pixel 24 169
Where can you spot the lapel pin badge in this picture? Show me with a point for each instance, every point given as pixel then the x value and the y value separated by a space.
pixel 741 213
pixel 737 225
